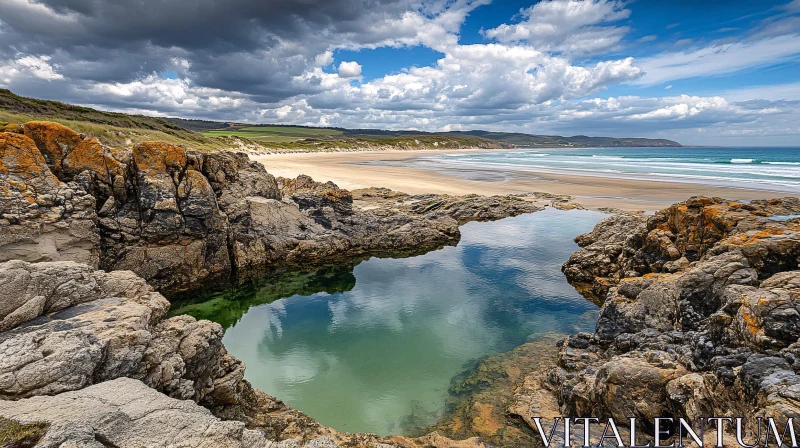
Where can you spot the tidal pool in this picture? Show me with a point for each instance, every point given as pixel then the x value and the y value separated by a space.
pixel 374 347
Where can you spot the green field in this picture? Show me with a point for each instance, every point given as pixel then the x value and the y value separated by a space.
pixel 279 134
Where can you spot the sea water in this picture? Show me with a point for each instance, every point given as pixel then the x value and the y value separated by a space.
pixel 374 347
pixel 776 169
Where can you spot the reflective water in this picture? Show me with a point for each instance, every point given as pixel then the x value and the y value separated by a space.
pixel 374 348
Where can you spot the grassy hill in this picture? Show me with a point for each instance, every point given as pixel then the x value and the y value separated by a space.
pixel 111 128
pixel 118 129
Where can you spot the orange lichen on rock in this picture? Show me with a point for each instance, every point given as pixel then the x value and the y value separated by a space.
pixel 20 160
pixel 751 324
pixel 158 157
pixel 335 195
pixel 54 140
pixel 88 154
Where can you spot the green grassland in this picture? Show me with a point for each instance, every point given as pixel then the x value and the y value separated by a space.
pixel 119 136
pixel 276 134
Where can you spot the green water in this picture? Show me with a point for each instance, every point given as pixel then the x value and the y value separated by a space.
pixel 374 348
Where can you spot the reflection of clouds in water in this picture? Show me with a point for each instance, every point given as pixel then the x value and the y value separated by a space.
pixel 405 295
pixel 392 343
pixel 300 365
pixel 273 312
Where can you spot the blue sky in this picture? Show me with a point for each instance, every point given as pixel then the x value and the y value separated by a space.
pixel 704 72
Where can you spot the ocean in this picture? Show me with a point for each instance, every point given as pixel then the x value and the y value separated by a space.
pixel 776 169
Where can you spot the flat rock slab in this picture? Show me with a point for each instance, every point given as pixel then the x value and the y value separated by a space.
pixel 127 413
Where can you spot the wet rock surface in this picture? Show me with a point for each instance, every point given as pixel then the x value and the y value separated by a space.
pixel 700 314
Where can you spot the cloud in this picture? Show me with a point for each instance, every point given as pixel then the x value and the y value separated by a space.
pixel 349 69
pixel 27 66
pixel 648 38
pixel 668 87
pixel 577 27
pixel 717 59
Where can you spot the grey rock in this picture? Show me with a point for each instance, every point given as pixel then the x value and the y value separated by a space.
pixel 126 413
pixel 700 305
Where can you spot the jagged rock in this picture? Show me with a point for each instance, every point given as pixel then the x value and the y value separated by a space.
pixel 70 326
pixel 69 153
pixel 41 218
pixel 170 230
pixel 126 413
pixel 631 245
pixel 180 218
pixel 598 264
pixel 709 289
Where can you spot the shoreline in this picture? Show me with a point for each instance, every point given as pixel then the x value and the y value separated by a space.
pixel 354 170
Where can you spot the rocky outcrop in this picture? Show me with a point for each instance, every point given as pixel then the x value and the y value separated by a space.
pixel 127 413
pixel 463 209
pixel 42 218
pixel 700 314
pixel 632 244
pixel 179 218
pixel 68 326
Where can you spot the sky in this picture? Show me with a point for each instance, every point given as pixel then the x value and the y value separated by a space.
pixel 701 72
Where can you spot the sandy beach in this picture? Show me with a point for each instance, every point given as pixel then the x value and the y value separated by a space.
pixel 347 169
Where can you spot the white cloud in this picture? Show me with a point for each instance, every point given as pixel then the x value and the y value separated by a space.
pixel 573 26
pixel 28 65
pixel 777 92
pixel 350 69
pixel 668 87
pixel 717 59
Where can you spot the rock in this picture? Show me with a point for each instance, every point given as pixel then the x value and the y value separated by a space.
pixel 126 413
pixel 70 326
pixel 631 245
pixel 170 230
pixel 700 307
pixel 181 218
pixel 42 218
pixel 632 385
pixel 597 266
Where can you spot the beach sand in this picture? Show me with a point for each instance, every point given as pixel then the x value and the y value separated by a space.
pixel 590 191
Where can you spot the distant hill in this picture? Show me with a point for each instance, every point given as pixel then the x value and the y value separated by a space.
pixel 531 140
pixel 124 129
pixel 198 125
pixel 577 140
